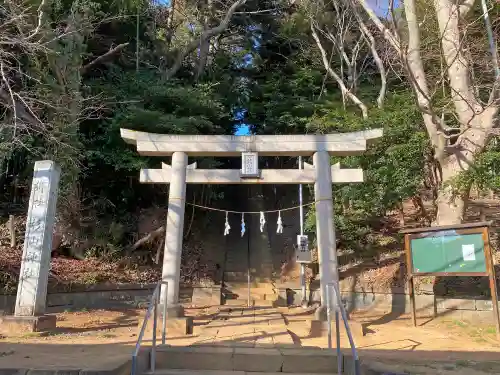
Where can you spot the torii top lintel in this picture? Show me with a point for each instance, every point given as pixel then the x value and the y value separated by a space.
pixel 340 144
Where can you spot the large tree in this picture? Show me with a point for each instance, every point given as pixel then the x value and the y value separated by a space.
pixel 443 51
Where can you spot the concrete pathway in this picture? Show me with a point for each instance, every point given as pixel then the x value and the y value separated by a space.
pixel 239 326
pixel 97 338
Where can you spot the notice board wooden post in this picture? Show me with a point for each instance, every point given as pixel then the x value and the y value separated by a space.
pixel 492 277
pixel 452 250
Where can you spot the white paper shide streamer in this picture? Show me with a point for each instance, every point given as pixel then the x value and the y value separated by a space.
pixel 279 229
pixel 242 224
pixel 262 221
pixel 227 227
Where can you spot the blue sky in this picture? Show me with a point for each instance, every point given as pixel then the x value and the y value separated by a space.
pixel 243 130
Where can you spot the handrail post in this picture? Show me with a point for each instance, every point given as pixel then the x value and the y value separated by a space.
pixel 340 360
pixel 329 316
pixel 133 369
pixel 348 330
pixel 164 317
pixel 155 318
pixel 152 309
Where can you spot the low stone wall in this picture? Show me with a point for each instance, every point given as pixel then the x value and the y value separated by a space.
pixel 116 297
pixel 426 303
pixel 137 296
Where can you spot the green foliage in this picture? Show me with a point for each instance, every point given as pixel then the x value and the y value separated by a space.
pixel 393 165
pixel 484 174
pixel 146 102
pixel 143 101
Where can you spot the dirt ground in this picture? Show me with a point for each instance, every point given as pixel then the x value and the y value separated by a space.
pixel 443 345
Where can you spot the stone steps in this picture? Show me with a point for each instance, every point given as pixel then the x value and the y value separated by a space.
pixel 241 302
pixel 242 277
pixel 364 371
pixel 268 360
pixel 215 372
pixel 261 294
pixel 266 287
pixel 255 288
pixel 222 360
pixel 243 295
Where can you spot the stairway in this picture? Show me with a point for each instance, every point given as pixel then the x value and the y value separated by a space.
pixel 250 253
pixel 248 340
pixel 220 360
pixel 217 360
pixel 266 360
pixel 235 267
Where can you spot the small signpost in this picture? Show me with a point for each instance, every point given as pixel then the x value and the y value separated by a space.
pixel 303 255
pixel 454 250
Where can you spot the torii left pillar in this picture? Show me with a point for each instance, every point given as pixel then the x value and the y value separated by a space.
pixel 174 235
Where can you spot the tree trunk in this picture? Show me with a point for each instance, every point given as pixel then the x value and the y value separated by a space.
pixel 202 61
pixel 451 203
pixel 450 208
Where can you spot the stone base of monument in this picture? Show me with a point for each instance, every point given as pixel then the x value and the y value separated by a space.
pixel 319 328
pixel 12 324
pixel 208 296
pixel 180 326
pixel 173 311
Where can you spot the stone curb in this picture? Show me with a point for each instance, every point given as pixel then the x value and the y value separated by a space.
pixel 113 369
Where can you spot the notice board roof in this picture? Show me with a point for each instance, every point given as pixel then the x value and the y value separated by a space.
pixel 448 227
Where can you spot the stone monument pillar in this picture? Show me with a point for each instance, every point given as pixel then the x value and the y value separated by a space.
pixel 174 234
pixel 325 227
pixel 35 265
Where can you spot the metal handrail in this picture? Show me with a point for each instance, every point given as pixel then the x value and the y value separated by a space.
pixel 152 308
pixel 343 312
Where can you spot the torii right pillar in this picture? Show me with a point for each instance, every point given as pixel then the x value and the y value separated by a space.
pixel 325 229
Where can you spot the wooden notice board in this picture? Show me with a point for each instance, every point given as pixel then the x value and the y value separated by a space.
pixel 448 252
pixel 459 250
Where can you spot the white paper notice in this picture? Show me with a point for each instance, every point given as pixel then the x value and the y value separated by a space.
pixel 468 252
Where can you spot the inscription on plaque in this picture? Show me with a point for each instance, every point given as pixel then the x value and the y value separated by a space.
pixel 35 265
pixel 303 255
pixel 249 164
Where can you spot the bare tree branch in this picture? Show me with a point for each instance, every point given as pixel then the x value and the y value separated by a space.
pixel 458 67
pixel 39 21
pixel 392 38
pixel 378 61
pixel 147 238
pixel 103 58
pixel 335 76
pixel 7 98
pixel 416 68
pixel 205 35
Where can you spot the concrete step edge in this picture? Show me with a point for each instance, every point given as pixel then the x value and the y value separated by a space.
pixel 218 372
pixel 263 360
pixel 258 296
pixel 210 349
pixel 365 370
pixel 244 286
pixel 253 284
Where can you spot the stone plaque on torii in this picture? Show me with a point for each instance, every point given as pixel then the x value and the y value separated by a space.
pixel 179 173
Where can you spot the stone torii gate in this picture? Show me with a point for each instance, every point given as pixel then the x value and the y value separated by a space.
pixel 179 147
